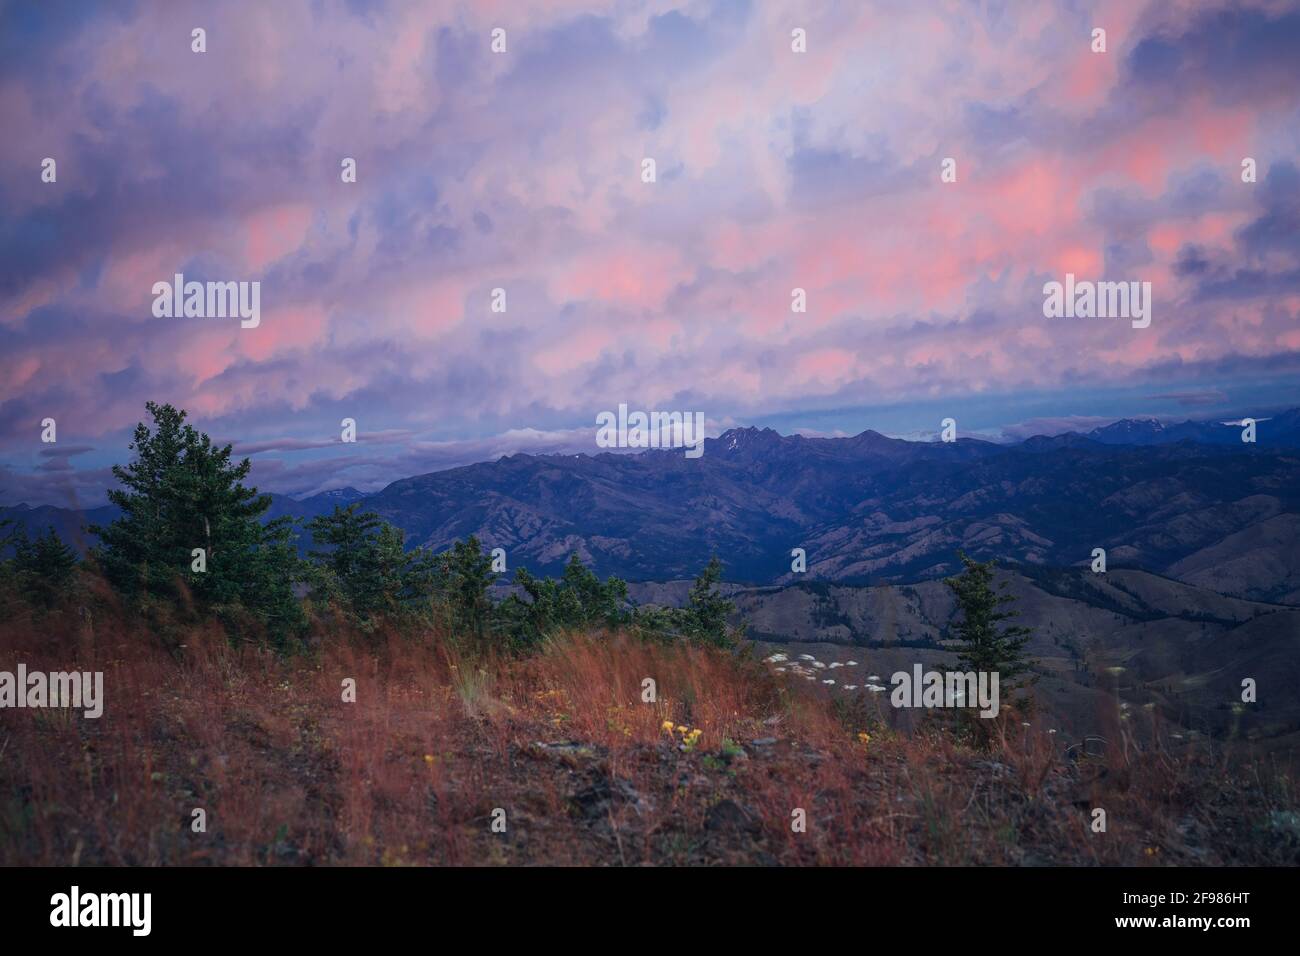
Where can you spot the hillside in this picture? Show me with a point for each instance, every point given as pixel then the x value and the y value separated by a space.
pixel 1169 647
pixel 564 754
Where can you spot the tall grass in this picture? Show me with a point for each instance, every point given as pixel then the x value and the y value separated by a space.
pixel 586 765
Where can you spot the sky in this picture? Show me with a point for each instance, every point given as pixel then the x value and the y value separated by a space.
pixel 523 171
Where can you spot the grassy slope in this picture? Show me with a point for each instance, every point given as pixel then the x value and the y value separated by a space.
pixel 412 772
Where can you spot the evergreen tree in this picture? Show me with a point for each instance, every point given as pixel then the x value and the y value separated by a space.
pixel 704 618
pixel 462 577
pixel 346 535
pixel 577 600
pixel 43 568
pixel 182 493
pixel 366 567
pixel 707 610
pixel 404 579
pixel 986 643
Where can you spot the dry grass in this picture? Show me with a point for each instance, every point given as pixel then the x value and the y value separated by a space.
pixel 411 773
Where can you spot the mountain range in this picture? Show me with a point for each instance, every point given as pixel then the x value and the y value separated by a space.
pixel 1189 501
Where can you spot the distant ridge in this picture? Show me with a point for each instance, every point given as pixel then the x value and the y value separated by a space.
pixel 1283 429
pixel 1172 499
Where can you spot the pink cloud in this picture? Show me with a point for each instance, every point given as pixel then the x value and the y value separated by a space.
pixel 825 366
pixel 638 276
pixel 281 329
pixel 575 350
pixel 274 232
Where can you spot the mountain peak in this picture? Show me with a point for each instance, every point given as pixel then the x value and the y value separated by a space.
pixel 737 439
pixel 337 494
pixel 1132 423
pixel 1129 430
pixel 869 436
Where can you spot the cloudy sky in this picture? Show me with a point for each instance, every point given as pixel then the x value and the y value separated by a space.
pixel 522 170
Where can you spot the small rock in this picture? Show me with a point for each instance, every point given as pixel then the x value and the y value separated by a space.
pixel 597 800
pixel 565 747
pixel 729 815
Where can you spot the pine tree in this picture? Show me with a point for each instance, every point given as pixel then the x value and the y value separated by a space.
pixel 986 644
pixel 340 565
pixel 707 610
pixel 462 576
pixel 44 567
pixel 182 493
pixel 366 567
pixel 578 600
pixel 703 620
